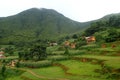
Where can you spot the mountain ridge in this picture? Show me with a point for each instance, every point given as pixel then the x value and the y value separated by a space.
pixel 34 23
pixel 38 24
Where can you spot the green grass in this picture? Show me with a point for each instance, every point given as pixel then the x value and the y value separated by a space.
pixel 56 73
pixel 80 68
pixel 58 52
pixel 76 52
pixel 30 76
pixel 105 49
pixel 84 71
pixel 14 78
pixel 112 61
pixel 71 52
pixel 52 48
pixel 50 72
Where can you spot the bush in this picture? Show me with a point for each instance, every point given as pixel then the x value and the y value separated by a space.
pixel 10 73
pixel 113 35
pixel 38 64
pixel 77 52
pixel 57 53
pixel 61 48
pixel 66 51
pixel 3 70
pixel 89 47
pixel 58 58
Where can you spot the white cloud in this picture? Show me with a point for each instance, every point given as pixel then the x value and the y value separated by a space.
pixel 79 10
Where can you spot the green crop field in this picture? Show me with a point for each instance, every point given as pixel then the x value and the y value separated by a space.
pixel 76 71
pixel 113 61
pixel 90 62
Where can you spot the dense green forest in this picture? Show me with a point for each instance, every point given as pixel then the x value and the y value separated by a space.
pixel 36 24
pixel 106 28
pixel 46 25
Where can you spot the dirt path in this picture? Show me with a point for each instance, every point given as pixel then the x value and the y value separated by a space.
pixel 43 77
pixel 38 76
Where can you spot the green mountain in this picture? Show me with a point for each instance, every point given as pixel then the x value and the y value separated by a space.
pixel 105 23
pixel 34 24
pixel 106 28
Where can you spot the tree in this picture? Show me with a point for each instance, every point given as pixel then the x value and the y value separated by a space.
pixel 75 36
pixel 80 42
pixel 66 51
pixel 96 27
pixel 18 64
pixel 114 21
pixel 38 52
pixel 67 37
pixel 113 35
pixel 3 70
pixel 9 50
pixel 21 55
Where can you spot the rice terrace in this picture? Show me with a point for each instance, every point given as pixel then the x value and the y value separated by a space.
pixel 89 62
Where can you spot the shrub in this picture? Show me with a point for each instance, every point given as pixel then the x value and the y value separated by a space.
pixel 61 48
pixel 58 58
pixel 113 35
pixel 3 70
pixel 10 73
pixel 77 52
pixel 66 51
pixel 37 64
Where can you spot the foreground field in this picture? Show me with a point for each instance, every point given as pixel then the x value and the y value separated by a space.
pixel 75 68
pixel 90 62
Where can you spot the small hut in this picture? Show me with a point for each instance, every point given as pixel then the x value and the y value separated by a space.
pixel 90 39
pixel 1 54
pixel 72 45
pixel 67 43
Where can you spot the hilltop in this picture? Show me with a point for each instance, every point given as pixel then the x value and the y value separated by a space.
pixel 34 24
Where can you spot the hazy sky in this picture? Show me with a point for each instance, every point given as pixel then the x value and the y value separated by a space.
pixel 78 10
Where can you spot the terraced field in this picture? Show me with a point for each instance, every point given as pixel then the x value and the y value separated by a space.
pixel 85 67
pixel 87 63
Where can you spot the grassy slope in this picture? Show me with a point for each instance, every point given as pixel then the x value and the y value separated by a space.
pixel 83 71
pixel 113 61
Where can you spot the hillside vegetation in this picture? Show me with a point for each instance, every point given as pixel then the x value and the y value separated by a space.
pixel 42 44
pixel 106 28
pixel 35 24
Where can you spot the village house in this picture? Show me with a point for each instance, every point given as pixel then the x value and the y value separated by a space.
pixel 72 45
pixel 2 54
pixel 90 39
pixel 69 44
pixel 53 44
pixel 13 62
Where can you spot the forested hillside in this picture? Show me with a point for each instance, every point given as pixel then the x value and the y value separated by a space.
pixel 35 24
pixel 47 24
pixel 106 28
